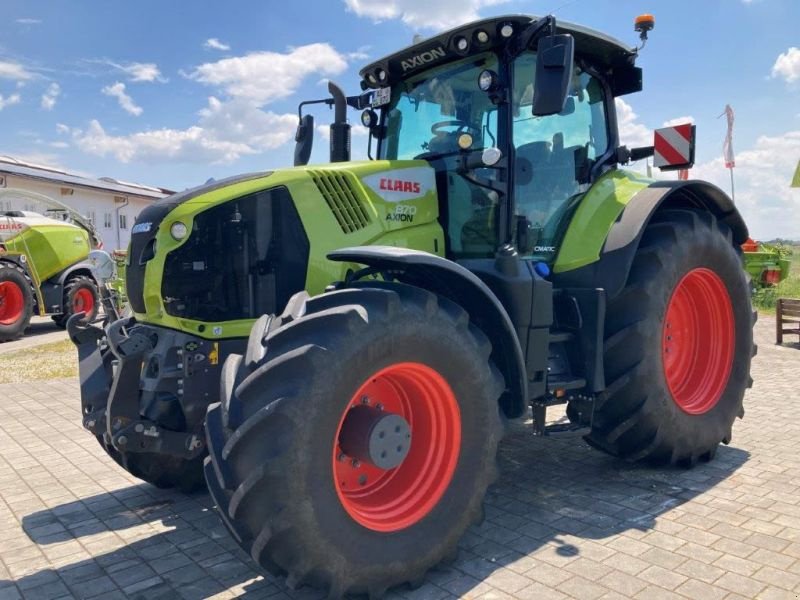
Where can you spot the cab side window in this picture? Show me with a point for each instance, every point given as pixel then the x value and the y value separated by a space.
pixel 554 154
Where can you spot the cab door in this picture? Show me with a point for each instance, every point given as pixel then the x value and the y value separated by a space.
pixel 554 156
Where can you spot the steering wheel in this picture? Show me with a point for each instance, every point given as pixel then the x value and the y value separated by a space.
pixel 461 127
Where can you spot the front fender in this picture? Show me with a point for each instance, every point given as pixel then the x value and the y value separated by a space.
pixel 451 280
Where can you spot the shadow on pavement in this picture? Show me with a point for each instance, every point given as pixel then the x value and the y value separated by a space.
pixel 554 497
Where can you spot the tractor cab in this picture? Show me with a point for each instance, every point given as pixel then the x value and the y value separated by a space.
pixel 517 117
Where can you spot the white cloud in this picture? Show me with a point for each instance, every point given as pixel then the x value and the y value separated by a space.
pixel 632 133
pixel 9 101
pixel 136 72
pixel 361 54
pixel 125 101
pixel 787 65
pixel 225 132
pixel 215 44
pixel 59 144
pixel 262 77
pixel 678 121
pixel 28 21
pixel 14 71
pixel 50 97
pixel 356 131
pixel 762 176
pixel 422 14
pixel 62 129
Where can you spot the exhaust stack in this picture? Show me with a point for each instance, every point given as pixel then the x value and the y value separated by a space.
pixel 340 129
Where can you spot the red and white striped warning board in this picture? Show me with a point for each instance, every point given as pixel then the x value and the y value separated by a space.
pixel 674 147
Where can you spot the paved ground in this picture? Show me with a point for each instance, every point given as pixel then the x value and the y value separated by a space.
pixel 564 521
pixel 42 330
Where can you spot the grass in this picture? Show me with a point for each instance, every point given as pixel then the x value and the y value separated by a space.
pixel 765 298
pixel 48 361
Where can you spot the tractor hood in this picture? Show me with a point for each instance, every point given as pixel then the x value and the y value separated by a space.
pixel 213 258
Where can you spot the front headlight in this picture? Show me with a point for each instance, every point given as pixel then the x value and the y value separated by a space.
pixel 178 230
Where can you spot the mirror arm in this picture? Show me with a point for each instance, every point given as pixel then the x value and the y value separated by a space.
pixel 545 25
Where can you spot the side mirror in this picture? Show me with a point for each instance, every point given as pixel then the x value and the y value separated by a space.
pixel 103 265
pixel 304 138
pixel 554 65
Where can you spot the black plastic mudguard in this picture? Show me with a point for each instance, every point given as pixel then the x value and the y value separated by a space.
pixel 451 280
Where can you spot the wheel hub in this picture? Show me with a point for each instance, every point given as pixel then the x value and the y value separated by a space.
pixel 376 437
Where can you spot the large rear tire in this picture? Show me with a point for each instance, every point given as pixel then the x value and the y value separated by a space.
pixel 283 466
pixel 678 345
pixel 16 302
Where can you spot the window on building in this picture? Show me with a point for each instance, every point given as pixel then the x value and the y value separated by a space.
pixel 123 221
pixel 92 216
pixel 107 220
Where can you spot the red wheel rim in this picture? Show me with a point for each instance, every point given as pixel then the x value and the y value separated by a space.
pixel 12 303
pixel 83 301
pixel 394 499
pixel 698 341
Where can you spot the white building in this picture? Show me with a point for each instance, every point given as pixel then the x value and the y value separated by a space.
pixel 110 204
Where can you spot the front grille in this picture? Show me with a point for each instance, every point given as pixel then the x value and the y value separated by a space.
pixel 244 258
pixel 142 247
pixel 338 189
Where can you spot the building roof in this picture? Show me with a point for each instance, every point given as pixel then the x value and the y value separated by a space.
pixel 13 166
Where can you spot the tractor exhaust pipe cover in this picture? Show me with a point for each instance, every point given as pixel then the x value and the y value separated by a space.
pixel 340 129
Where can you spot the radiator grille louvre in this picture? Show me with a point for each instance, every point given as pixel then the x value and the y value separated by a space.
pixel 338 189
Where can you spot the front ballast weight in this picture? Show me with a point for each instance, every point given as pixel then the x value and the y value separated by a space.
pixel 114 369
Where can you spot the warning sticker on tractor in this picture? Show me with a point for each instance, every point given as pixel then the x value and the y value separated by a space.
pixel 213 356
pixel 381 97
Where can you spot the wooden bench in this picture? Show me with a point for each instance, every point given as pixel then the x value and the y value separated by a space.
pixel 787 318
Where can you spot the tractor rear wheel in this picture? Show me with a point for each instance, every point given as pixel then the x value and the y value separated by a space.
pixel 678 345
pixel 16 301
pixel 355 450
pixel 80 296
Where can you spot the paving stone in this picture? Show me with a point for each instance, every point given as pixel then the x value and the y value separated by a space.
pixel 564 521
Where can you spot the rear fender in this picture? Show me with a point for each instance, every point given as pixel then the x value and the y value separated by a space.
pixel 451 280
pixel 610 272
pixel 78 269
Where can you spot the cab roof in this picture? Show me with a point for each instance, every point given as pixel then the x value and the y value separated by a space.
pixel 610 55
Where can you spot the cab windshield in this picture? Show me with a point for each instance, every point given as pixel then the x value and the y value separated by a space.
pixel 429 112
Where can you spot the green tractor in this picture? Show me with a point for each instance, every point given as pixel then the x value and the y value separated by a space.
pixel 43 264
pixel 338 346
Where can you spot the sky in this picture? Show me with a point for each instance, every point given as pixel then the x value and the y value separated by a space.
pixel 174 93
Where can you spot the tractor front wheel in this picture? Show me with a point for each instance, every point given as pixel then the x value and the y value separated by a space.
pixel 357 450
pixel 16 302
pixel 679 339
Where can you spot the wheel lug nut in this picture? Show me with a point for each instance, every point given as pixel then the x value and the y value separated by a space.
pixel 379 406
pixel 362 480
pixel 356 463
pixel 342 456
pixel 364 399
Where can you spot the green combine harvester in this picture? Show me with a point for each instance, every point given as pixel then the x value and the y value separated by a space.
pixel 336 347
pixel 43 263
